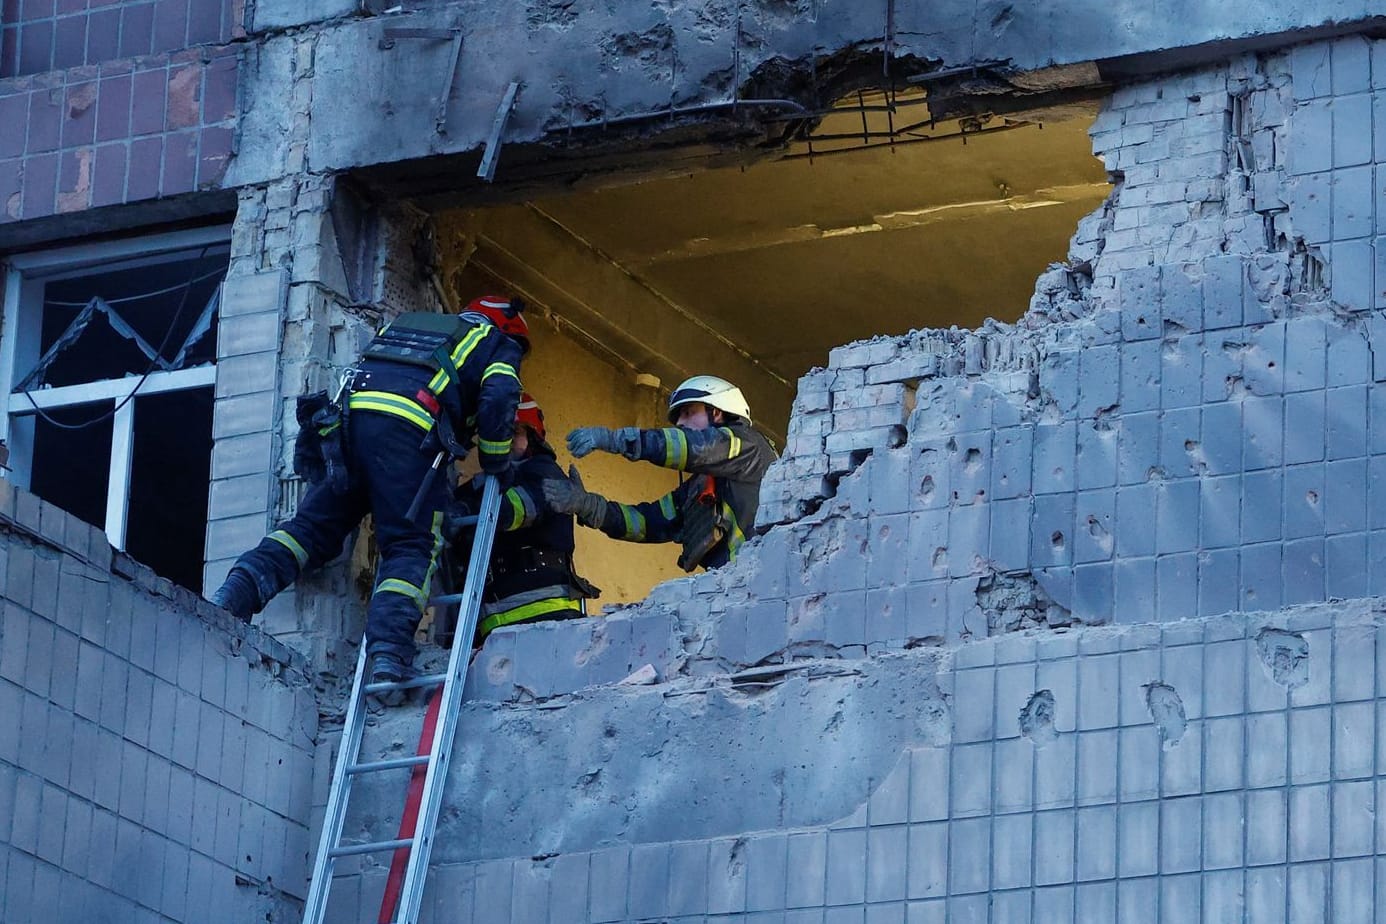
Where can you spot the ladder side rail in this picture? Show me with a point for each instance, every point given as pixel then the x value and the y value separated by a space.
pixel 440 757
pixel 334 818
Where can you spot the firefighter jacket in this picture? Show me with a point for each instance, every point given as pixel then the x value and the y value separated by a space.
pixel 478 388
pixel 531 574
pixel 713 512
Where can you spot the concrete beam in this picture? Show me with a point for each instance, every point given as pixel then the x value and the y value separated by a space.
pixel 371 97
pixel 539 258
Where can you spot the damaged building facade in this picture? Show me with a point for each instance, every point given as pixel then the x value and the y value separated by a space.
pixel 1069 615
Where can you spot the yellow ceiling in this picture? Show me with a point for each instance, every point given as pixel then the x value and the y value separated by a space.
pixel 787 258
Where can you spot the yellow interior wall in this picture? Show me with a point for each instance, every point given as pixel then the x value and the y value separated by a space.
pixel 576 388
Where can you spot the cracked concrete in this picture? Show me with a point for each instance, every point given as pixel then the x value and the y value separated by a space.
pixel 585 63
pixel 619 767
pixel 1285 655
pixel 1015 570
pixel 1167 712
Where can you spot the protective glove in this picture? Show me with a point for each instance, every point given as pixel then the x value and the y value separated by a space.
pixel 504 474
pixel 584 440
pixel 624 441
pixel 569 496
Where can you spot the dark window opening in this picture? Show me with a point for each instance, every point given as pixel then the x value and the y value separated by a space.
pixel 155 302
pixel 110 396
pixel 71 468
pixel 171 458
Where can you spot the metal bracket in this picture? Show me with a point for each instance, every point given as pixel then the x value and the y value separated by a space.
pixel 487 170
pixel 390 36
pixel 440 119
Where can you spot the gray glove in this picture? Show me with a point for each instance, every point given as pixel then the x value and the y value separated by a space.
pixel 625 441
pixel 568 496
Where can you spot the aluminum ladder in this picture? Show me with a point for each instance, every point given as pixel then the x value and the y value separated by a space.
pixel 348 765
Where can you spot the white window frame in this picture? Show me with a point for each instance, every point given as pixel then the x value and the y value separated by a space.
pixel 21 272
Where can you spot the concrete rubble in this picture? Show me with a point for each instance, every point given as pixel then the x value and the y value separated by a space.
pixel 1056 629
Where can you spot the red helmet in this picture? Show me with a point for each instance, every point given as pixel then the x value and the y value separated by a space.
pixel 505 313
pixel 530 414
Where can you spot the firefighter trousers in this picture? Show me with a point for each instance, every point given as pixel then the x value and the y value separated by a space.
pixel 386 467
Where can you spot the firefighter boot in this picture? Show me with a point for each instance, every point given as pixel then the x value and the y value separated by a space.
pixel 386 667
pixel 238 595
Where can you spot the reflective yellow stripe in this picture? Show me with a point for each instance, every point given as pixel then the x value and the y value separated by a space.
pixel 386 403
pixel 460 353
pixel 666 506
pixel 528 611
pixel 493 447
pixel 635 522
pixel 397 586
pixel 735 449
pixel 500 369
pixel 735 537
pixel 432 557
pixel 675 448
pixel 290 543
pixel 517 508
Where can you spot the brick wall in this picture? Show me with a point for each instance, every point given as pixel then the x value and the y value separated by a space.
pixel 54 35
pixel 107 103
pixel 1199 431
pixel 123 131
pixel 155 760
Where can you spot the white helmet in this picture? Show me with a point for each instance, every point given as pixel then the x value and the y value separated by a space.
pixel 712 391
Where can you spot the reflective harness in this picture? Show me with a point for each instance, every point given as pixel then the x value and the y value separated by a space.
pixel 441 343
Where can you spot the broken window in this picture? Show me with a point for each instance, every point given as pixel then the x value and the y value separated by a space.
pixel 107 369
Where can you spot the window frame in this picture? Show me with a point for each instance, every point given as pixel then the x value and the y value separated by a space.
pixel 22 271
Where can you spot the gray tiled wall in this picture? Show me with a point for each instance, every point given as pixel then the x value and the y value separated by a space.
pixel 1204 770
pixel 155 761
pixel 1120 523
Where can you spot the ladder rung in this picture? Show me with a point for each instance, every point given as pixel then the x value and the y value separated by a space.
pixel 372 847
pixel 426 802
pixel 466 521
pixel 394 764
pixel 425 680
pixel 446 600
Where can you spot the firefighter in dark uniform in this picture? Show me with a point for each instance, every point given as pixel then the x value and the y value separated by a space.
pixel 712 513
pixel 531 576
pixel 425 383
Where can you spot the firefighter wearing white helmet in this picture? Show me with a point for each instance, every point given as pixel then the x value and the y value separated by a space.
pixel 711 513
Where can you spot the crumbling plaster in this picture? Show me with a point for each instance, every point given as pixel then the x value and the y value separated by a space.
pixel 581 63
pixel 1092 533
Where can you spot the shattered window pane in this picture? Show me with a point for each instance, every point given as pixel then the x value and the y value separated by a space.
pixel 109 414
pixel 117 321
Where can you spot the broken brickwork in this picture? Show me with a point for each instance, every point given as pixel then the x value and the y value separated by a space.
pixel 155 756
pixel 1047 627
pixel 306 257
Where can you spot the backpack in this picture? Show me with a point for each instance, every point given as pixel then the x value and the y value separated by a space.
pixel 421 338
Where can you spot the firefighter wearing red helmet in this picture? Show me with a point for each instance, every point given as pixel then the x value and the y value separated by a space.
pixel 506 314
pixel 710 514
pixel 426 383
pixel 531 576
